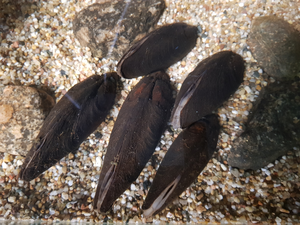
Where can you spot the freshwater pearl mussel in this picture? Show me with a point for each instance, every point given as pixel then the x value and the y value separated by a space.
pixel 79 112
pixel 183 162
pixel 137 131
pixel 158 50
pixel 143 118
pixel 211 83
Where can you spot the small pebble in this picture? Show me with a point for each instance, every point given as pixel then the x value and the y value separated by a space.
pixel 249 208
pixel 71 156
pixel 132 187
pixel 11 199
pixel 224 168
pixel 65 196
pixel 236 200
pixel 278 220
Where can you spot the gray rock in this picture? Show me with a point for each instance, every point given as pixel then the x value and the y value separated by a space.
pixel 275 44
pixel 97 26
pixel 272 130
pixel 22 113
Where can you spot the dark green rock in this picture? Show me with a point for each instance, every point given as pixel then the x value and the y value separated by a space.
pixel 113 25
pixel 275 44
pixel 272 130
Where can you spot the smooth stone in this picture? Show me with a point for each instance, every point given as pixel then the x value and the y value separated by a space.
pixel 22 113
pixel 100 25
pixel 275 44
pixel 272 130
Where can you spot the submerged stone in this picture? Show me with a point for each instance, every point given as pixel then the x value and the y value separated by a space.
pixel 272 130
pixel 113 25
pixel 275 44
pixel 22 112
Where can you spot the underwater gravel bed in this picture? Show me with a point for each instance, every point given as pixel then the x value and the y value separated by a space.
pixel 221 194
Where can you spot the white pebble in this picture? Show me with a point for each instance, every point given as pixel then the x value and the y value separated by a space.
pixel 51 211
pixel 242 92
pixel 123 201
pixel 278 220
pixel 129 205
pixel 236 200
pixel 170 215
pixel 53 193
pixel 86 213
pixel 21 182
pixel 189 200
pixel 162 154
pixel 4 165
pixel 11 199
pixel 208 190
pixel 249 208
pixel 7 213
pixel 65 196
pixel 264 210
pixel 224 168
pixel 98 162
pixel 70 182
pixel 132 187
pixel 209 182
pixel 248 89
pixel 19 163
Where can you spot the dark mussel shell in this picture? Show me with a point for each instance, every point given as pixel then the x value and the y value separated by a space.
pixel 207 87
pixel 137 131
pixel 79 112
pixel 183 162
pixel 158 50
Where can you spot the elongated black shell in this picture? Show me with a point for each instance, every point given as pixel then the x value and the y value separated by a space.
pixel 79 112
pixel 183 162
pixel 137 131
pixel 158 50
pixel 207 87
